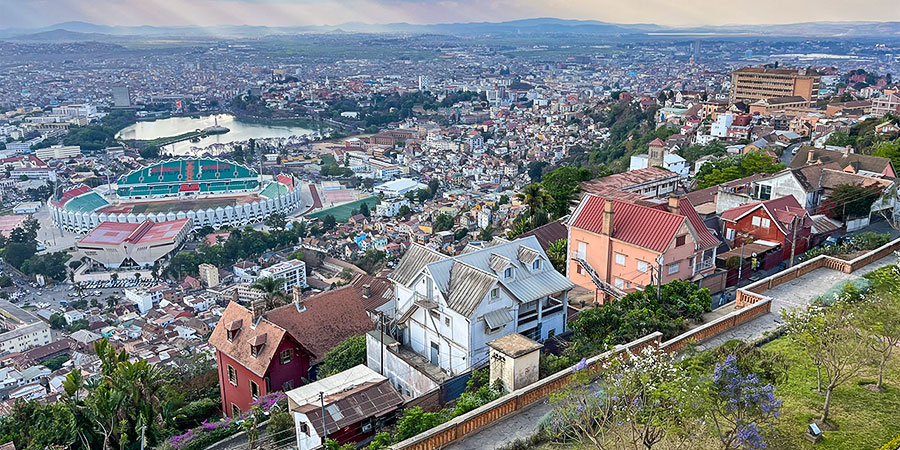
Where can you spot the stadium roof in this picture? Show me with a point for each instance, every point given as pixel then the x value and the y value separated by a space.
pixel 115 233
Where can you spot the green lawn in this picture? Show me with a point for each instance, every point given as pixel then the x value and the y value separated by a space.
pixel 865 419
pixel 343 212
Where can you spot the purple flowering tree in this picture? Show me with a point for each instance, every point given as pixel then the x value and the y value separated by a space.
pixel 741 409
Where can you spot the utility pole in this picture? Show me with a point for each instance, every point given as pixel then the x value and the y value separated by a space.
pixel 794 240
pixel 324 428
pixel 143 436
pixel 659 262
pixel 741 264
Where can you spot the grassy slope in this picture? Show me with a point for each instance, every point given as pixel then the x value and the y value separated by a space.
pixel 866 420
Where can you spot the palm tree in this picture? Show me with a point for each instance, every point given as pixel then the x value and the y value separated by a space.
pixel 271 287
pixel 536 199
pixel 557 254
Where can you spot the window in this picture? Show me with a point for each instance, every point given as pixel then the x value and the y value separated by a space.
pixel 255 349
pixel 536 265
pixel 643 266
pixel 304 428
pixel 578 269
pixel 620 259
pixel 288 385
pixel 756 221
pixel 765 192
pixel 235 411
pixel 447 321
pixel 729 234
pixel 508 272
pixel 673 268
pixel 495 292
pixel 582 250
pixel 765 223
pixel 232 376
pixel 254 389
pixel 286 356
pixel 679 241
pixel 619 283
pixel 230 334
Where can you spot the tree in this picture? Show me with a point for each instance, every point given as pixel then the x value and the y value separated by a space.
pixel 443 222
pixel 348 354
pixel 57 321
pixel 557 252
pixel 740 408
pixel 271 287
pixel 536 199
pixel 404 211
pixel 830 337
pixel 849 201
pixel 890 150
pixel 487 234
pixel 276 221
pixel 364 209
pixel 880 314
pixel 414 421
pixel 561 185
pixel 328 222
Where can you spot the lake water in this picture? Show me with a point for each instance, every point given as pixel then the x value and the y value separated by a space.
pixel 240 131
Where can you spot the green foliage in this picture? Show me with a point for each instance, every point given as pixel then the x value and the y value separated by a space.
pixel 415 420
pixel 57 362
pixel 6 281
pixel 849 201
pixel 443 222
pixel 893 444
pixel 348 354
pixel 694 152
pixel 280 421
pixel 557 252
pixel 864 241
pixel 640 313
pixel 33 426
pixel 561 185
pixel 241 244
pixel 537 200
pixel 890 150
pixel 734 167
pixel 50 265
pixel 371 261
pixel 99 136
pixel 380 441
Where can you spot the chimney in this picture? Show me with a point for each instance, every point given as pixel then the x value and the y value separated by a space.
pixel 257 308
pixel 607 227
pixel 810 156
pixel 848 150
pixel 297 295
pixel 366 290
pixel 674 203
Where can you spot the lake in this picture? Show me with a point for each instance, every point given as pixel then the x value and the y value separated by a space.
pixel 240 131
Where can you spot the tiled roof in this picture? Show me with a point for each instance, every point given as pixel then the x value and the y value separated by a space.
pixel 549 233
pixel 239 348
pixel 642 226
pixel 627 179
pixel 328 319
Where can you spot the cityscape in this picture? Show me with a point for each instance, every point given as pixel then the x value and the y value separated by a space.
pixel 420 225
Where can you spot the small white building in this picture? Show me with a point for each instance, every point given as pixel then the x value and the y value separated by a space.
pixel 398 187
pixel 353 402
pixel 140 297
pixel 390 207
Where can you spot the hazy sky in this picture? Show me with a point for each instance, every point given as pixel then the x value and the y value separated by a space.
pixel 38 13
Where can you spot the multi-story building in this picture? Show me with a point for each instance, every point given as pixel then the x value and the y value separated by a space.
pixel 617 247
pixel 209 275
pixel 293 273
pixel 750 84
pixel 449 307
pixel 25 330
pixel 887 104
pixel 58 152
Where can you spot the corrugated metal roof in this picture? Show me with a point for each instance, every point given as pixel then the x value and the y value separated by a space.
pixel 706 238
pixel 415 258
pixel 467 287
pixel 498 318
pixel 645 227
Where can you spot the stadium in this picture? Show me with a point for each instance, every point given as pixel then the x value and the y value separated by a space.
pixel 210 192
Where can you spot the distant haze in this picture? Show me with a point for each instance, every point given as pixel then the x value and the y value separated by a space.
pixel 284 13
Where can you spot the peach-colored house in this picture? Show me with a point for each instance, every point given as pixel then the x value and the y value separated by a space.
pixel 617 247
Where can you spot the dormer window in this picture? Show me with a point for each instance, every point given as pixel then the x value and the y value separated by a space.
pixel 232 329
pixel 257 344
pixel 536 265
pixel 508 273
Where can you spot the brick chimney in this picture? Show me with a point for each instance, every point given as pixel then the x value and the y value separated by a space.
pixel 810 156
pixel 607 227
pixel 674 204
pixel 297 295
pixel 257 309
pixel 366 290
pixel 848 150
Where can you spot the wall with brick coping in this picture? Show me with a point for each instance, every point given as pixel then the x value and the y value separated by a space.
pixel 749 299
pixel 749 294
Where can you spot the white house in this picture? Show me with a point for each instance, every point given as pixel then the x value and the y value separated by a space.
pixel 390 207
pixel 449 307
pixel 671 162
pixel 293 273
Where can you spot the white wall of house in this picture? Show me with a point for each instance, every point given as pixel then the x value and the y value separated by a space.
pixel 308 440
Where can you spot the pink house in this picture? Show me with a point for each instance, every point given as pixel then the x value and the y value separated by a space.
pixel 617 247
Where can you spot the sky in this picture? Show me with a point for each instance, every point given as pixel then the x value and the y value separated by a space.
pixel 41 13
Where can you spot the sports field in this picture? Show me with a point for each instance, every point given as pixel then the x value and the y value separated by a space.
pixel 182 205
pixel 342 213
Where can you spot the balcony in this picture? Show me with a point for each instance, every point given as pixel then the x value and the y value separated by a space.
pixel 705 264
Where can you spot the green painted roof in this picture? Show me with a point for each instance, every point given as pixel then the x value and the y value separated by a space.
pixel 86 203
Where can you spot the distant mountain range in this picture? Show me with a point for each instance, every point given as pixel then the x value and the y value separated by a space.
pixel 83 31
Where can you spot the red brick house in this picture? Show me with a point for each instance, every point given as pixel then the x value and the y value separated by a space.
pixel 773 220
pixel 259 351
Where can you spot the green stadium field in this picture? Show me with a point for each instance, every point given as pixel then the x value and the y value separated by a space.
pixel 182 205
pixel 343 212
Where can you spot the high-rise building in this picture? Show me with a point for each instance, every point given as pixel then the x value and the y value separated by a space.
pixel 121 96
pixel 751 84
pixel 209 275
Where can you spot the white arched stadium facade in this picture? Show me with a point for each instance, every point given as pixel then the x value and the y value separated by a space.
pixel 219 217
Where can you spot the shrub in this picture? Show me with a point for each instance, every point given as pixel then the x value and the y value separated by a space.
pixel 893 444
